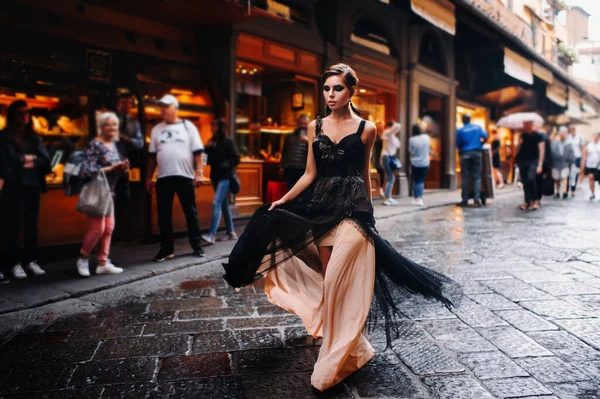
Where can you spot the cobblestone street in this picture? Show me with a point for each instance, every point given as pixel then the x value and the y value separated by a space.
pixel 528 326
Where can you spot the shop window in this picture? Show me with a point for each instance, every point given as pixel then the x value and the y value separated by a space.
pixel 430 54
pixel 269 101
pixel 370 35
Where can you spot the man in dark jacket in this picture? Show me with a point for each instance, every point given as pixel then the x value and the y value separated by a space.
pixel 546 167
pixel 295 151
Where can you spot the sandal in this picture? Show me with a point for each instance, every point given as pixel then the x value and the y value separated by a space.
pixel 524 207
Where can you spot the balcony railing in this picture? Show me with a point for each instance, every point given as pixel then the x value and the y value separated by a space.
pixel 498 12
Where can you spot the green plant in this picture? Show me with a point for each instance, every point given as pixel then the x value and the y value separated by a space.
pixel 567 51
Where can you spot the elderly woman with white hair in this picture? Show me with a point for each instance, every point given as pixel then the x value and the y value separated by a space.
pixel 101 155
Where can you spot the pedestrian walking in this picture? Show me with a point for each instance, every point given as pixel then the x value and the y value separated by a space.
pixel 591 161
pixel 295 150
pixel 562 157
pixel 130 143
pixel 577 142
pixel 101 160
pixel 418 146
pixel 530 158
pixel 469 141
pixel 376 160
pixel 223 157
pixel 496 161
pixel 320 252
pixel 176 149
pixel 544 181
pixel 389 159
pixel 26 163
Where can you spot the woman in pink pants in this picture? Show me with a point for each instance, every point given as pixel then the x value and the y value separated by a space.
pixel 102 155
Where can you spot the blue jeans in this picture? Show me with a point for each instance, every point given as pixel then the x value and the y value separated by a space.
pixel 221 205
pixel 470 165
pixel 389 176
pixel 418 177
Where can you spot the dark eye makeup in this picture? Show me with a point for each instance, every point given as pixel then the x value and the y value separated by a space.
pixel 337 88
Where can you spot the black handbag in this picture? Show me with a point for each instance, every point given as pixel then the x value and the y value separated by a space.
pixel 234 183
pixel 547 185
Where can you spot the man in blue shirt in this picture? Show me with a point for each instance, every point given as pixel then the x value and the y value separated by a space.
pixel 469 141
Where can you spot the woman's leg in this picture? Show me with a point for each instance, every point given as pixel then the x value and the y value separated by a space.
pixel 105 239
pixel 226 211
pixel 221 188
pixel 95 231
pixel 324 255
pixel 592 183
pixel 389 176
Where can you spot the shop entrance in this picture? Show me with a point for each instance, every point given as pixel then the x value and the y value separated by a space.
pixel 432 111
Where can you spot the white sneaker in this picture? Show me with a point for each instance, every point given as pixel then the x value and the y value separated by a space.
pixel 109 268
pixel 228 237
pixel 387 203
pixel 83 267
pixel 420 202
pixel 393 201
pixel 413 201
pixel 209 238
pixel 35 268
pixel 18 272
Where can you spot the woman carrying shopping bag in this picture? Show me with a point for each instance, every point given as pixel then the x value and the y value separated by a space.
pixel 101 168
pixel 223 157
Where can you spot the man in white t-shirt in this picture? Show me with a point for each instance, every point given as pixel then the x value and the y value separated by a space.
pixel 176 148
pixel 576 141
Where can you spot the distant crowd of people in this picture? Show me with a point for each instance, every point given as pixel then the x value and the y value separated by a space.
pixel 174 153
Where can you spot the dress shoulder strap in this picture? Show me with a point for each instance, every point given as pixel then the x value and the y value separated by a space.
pixel 318 126
pixel 361 127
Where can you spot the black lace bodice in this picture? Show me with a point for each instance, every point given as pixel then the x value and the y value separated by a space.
pixel 345 158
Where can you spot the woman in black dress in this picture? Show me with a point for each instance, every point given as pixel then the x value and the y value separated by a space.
pixel 319 250
pixel 496 162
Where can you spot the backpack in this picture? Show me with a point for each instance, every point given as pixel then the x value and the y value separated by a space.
pixel 72 183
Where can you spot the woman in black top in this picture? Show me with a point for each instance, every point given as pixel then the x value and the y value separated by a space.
pixel 26 165
pixel 530 158
pixel 223 157
pixel 496 162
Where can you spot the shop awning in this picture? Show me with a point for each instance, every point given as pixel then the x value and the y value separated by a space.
pixel 574 106
pixel 588 108
pixel 557 93
pixel 543 73
pixel 438 12
pixel 517 66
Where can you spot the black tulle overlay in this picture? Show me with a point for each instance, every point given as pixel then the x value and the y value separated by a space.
pixel 337 194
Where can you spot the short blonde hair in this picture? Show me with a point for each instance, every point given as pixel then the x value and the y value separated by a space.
pixel 104 118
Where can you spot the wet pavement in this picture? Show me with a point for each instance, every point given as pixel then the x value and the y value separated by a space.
pixel 528 326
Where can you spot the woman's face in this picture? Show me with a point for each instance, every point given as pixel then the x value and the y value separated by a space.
pixel 110 129
pixel 23 115
pixel 335 92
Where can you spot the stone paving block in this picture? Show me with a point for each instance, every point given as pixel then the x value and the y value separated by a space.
pixel 494 301
pixel 273 360
pixel 288 386
pixel 489 365
pixel 587 330
pixel 271 310
pixel 129 391
pixel 105 332
pixel 40 338
pixel 525 320
pixel 449 330
pixel 140 318
pixel 168 345
pixel 456 387
pixel 585 267
pixel 184 327
pixel 260 322
pixel 258 339
pixel 587 302
pixel 513 342
pixel 384 357
pixel 564 269
pixel 194 366
pixel 114 371
pixel 516 387
pixel 215 387
pixel 475 287
pixel 428 312
pixel 593 281
pixel 562 288
pixel 186 304
pixel 588 257
pixel 566 346
pixel 384 381
pixel 37 378
pixel 477 316
pixel 537 276
pixel 407 331
pixel 85 320
pixel 516 290
pixel 122 309
pixel 472 345
pixel 46 354
pixel 556 309
pixel 591 368
pixel 233 311
pixel 577 390
pixel 218 341
pixel 298 337
pixel 426 358
pixel 552 369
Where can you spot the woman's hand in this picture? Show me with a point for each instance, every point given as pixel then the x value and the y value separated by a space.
pixel 276 204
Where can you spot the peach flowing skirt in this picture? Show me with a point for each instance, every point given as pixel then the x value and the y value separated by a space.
pixel 333 305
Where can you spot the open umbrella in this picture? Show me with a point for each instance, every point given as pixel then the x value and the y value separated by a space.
pixel 515 121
